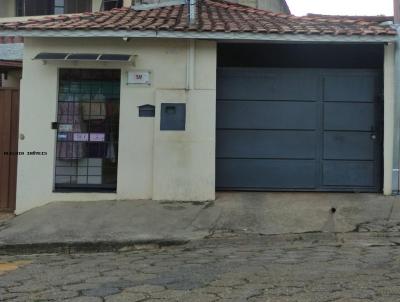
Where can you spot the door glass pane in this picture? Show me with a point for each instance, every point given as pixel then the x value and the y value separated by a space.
pixel 35 7
pixel 88 128
pixel 110 4
pixel 77 6
pixel 58 7
pixel 19 7
pixel 49 7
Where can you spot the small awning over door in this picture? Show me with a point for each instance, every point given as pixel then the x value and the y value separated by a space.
pixel 90 57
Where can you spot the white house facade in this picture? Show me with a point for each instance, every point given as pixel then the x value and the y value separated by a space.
pixel 151 104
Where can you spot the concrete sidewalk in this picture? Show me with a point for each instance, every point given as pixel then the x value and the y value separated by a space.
pixel 155 221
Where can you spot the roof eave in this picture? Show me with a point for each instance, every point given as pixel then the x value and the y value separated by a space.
pixel 9 64
pixel 200 35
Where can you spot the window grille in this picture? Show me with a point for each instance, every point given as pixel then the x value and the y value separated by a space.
pixel 51 7
pixel 110 4
pixel 87 130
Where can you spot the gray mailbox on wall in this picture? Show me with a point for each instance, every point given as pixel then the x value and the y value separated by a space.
pixel 173 116
pixel 147 111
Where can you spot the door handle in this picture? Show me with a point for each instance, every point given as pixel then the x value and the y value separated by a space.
pixel 54 125
pixel 373 133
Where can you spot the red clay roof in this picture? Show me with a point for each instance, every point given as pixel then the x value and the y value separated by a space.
pixel 212 16
pixel 10 64
pixel 378 19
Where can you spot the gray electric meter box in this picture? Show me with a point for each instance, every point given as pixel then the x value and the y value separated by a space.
pixel 173 116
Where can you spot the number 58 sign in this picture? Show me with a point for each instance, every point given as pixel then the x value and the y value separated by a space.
pixel 139 77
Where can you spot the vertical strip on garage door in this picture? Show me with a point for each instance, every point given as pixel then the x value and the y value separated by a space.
pixel 352 132
pixel 297 129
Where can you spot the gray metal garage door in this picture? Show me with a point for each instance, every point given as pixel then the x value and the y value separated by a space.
pixel 298 129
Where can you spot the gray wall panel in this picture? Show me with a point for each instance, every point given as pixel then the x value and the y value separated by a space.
pixel 350 88
pixel 266 144
pixel 256 173
pixel 349 116
pixel 267 84
pixel 266 115
pixel 348 145
pixel 348 174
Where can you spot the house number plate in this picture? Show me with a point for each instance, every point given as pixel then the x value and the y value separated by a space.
pixel 139 77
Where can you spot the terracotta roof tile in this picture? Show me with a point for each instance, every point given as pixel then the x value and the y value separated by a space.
pixel 10 64
pixel 212 16
pixel 377 19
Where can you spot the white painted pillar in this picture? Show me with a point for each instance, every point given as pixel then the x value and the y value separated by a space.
pixel 128 3
pixel 389 117
pixel 7 8
pixel 96 5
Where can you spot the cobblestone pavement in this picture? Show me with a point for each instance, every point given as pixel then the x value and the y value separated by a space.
pixel 223 268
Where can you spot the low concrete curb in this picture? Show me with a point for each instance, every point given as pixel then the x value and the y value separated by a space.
pixel 371 238
pixel 86 247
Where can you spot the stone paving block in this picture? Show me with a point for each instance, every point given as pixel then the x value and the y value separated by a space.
pixel 146 289
pixel 80 286
pixel 126 296
pixel 55 294
pixel 198 298
pixel 169 294
pixel 102 279
pixel 84 299
pixel 28 287
pixel 101 291
pixel 21 299
pixel 389 290
pixel 9 296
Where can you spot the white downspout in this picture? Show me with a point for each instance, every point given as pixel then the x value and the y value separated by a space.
pixel 191 47
pixel 192 11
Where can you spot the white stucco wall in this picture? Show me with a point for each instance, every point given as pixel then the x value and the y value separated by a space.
pixel 7 8
pixel 12 79
pixel 273 5
pixel 152 163
pixel 277 6
pixel 127 3
pixel 96 5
